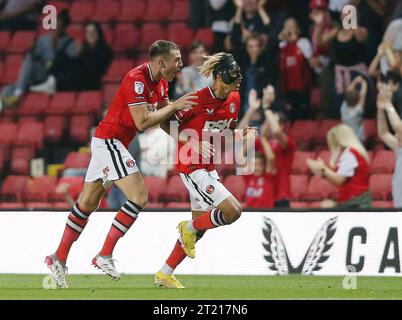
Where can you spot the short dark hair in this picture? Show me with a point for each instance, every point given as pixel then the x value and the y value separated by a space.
pixel 162 48
pixel 351 97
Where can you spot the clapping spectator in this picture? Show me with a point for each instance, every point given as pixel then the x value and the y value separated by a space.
pixel 348 169
pixel 83 72
pixel 385 109
pixel 190 78
pixel 295 58
pixel 250 18
pixel 352 109
pixel 348 49
pixel 387 59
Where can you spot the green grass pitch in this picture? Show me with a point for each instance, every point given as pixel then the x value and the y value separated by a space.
pixel 202 287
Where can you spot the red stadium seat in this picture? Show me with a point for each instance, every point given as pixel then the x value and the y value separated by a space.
pixel 155 205
pixel 61 103
pixel 299 165
pixel 380 186
pixel 180 11
pixel 77 160
pixel 150 32
pixel 61 205
pixel 3 156
pixel 76 31
pixel 178 205
pixel 106 10
pixel 79 128
pixel 382 204
pixel 20 159
pixel 109 33
pixel 235 184
pixel 298 205
pixel 38 189
pixel 127 37
pixel 303 132
pixel 157 10
pixel 60 5
pixel 132 10
pixel 12 67
pixel 36 205
pixel 325 126
pixel 319 189
pixel 81 11
pixel 31 133
pixel 8 133
pixel 75 187
pixel 370 129
pixel 383 162
pixel 175 191
pixel 54 127
pixel 11 205
pixel 180 34
pixel 117 70
pixel 155 186
pixel 34 104
pixel 12 187
pixel 206 36
pixel 5 38
pixel 88 102
pixel 108 92
pixel 298 185
pixel 315 205
pixel 21 41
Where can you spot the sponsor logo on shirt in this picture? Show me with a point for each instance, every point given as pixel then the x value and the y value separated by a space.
pixel 218 125
pixel 232 108
pixel 210 111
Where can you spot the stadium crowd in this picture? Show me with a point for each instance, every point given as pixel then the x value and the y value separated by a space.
pixel 326 100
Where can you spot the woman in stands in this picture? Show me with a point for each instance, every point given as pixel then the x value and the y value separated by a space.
pixel 348 169
pixel 386 109
pixel 84 72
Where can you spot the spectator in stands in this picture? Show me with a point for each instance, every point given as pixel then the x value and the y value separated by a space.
pixel 352 109
pixel 190 79
pixel 388 58
pixel 348 49
pixel 348 168
pixel 322 95
pixel 222 12
pixel 393 141
pixel 295 58
pixel 83 72
pixel 258 65
pixel 63 189
pixel 260 191
pixel 250 18
pixel 19 14
pixel 39 60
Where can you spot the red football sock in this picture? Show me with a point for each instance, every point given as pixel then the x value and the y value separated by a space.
pixel 121 224
pixel 177 256
pixel 76 223
pixel 209 220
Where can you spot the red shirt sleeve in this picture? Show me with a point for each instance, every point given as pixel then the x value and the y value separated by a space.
pixel 135 90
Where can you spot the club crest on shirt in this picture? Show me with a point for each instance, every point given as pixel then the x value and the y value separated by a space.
pixel 232 108
pixel 106 171
pixel 162 91
pixel 210 189
pixel 130 163
pixel 138 87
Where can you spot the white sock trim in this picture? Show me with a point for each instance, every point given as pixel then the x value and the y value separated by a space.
pixel 167 270
pixel 191 227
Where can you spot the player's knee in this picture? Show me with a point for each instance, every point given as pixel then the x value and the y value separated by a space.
pixel 140 198
pixel 89 206
pixel 233 214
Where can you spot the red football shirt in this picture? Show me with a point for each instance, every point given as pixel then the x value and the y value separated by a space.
pixel 137 87
pixel 210 115
pixel 283 162
pixel 260 191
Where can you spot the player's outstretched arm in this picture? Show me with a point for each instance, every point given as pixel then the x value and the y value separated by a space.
pixel 144 119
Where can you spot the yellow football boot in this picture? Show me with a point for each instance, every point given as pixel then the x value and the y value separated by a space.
pixel 162 280
pixel 187 239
